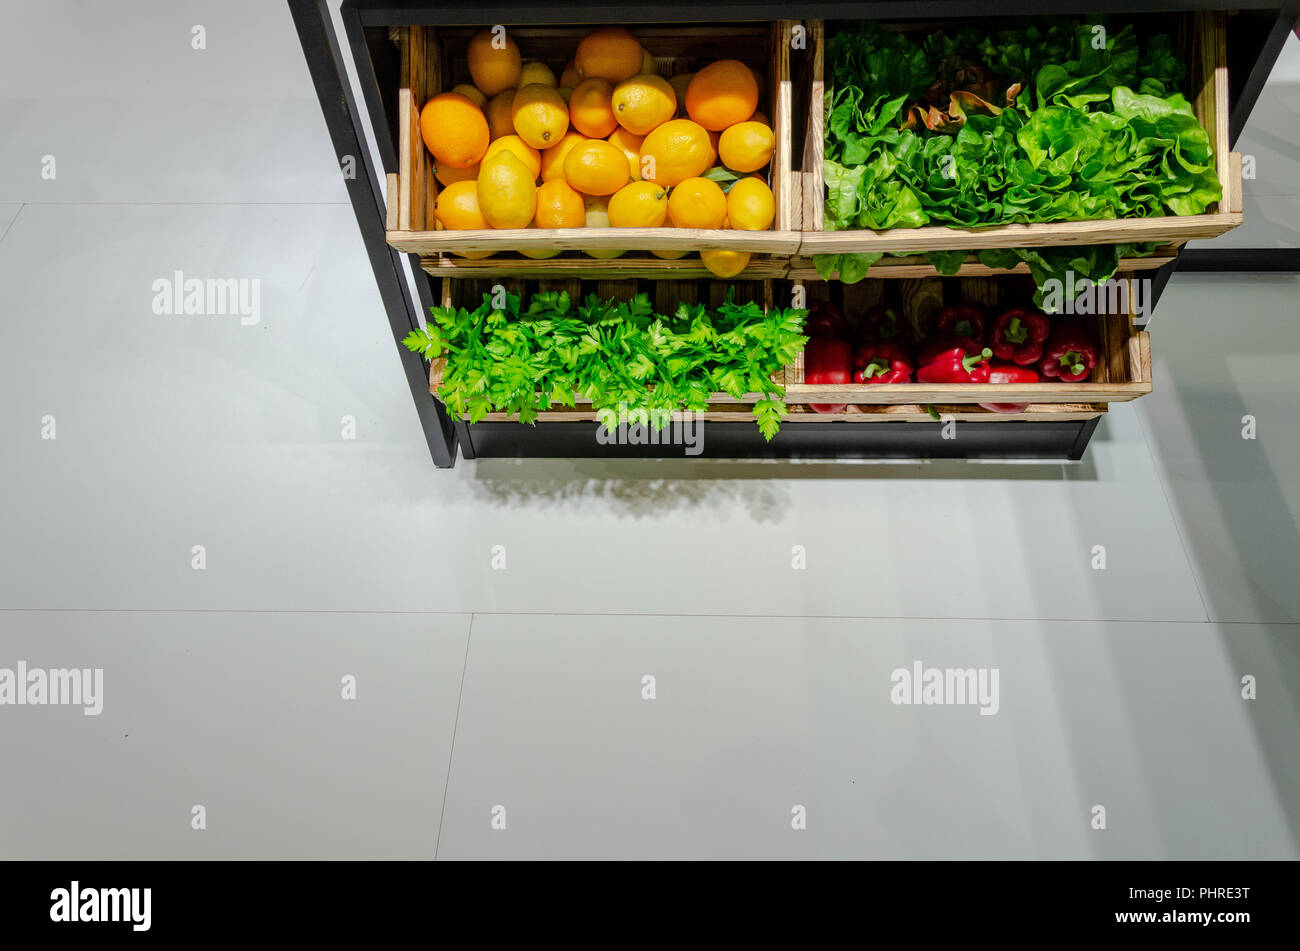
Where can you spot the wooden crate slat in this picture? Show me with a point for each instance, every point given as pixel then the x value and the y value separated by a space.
pixel 578 239
pixel 801 268
pixel 653 269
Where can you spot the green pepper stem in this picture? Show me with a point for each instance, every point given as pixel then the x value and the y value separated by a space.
pixel 1015 331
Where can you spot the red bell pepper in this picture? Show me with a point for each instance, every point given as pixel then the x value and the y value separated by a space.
pixel 963 323
pixel 1070 352
pixel 827 360
pixel 882 324
pixel 1009 373
pixel 954 365
pixel 932 350
pixel 882 363
pixel 825 320
pixel 1018 335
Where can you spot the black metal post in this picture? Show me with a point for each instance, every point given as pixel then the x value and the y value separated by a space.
pixel 329 76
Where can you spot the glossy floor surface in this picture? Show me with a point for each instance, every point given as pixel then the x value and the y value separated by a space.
pixel 339 651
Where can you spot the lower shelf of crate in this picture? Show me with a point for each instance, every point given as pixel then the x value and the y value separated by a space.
pixel 854 437
pixel 895 412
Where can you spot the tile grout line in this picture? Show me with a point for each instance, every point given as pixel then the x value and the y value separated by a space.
pixel 451 753
pixel 1173 515
pixel 9 227
pixel 667 614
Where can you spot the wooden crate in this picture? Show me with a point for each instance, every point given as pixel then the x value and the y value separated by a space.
pixel 1204 34
pixel 1123 371
pixel 433 59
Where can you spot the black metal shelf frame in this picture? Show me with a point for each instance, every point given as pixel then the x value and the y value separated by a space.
pixel 1258 33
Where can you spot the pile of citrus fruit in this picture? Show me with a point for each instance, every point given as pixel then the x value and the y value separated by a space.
pixel 610 143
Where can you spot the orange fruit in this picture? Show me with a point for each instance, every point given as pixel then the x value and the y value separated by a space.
pixel 722 94
pixel 680 82
pixel 725 264
pixel 553 158
pixel 746 146
pixel 631 146
pixel 697 203
pixel 560 206
pixel 679 149
pixel 456 209
pixel 454 130
pixel 590 111
pixel 643 102
pixel 638 205
pixel 499 116
pixel 494 61
pixel 540 115
pixel 750 205
pixel 531 158
pixel 670 255
pixel 471 93
pixel 596 167
pixel 760 116
pixel 610 52
pixel 449 176
pixel 570 76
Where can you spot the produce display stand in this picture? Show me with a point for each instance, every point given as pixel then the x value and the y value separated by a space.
pixel 400 52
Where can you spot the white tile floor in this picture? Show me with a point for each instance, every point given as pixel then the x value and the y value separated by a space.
pixel 327 557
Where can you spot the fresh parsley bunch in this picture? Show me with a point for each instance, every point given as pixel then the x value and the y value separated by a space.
pixel 615 354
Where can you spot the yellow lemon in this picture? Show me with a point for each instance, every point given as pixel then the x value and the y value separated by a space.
pixel 596 167
pixel 506 191
pixel 553 158
pixel 670 255
pixel 750 205
pixel 725 263
pixel 597 212
pixel 643 102
pixel 540 115
pixel 648 62
pixel 494 61
pixel 746 146
pixel 521 150
pixel 697 203
pixel 631 146
pixel 471 93
pixel 566 93
pixel 677 150
pixel 535 72
pixel 639 205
